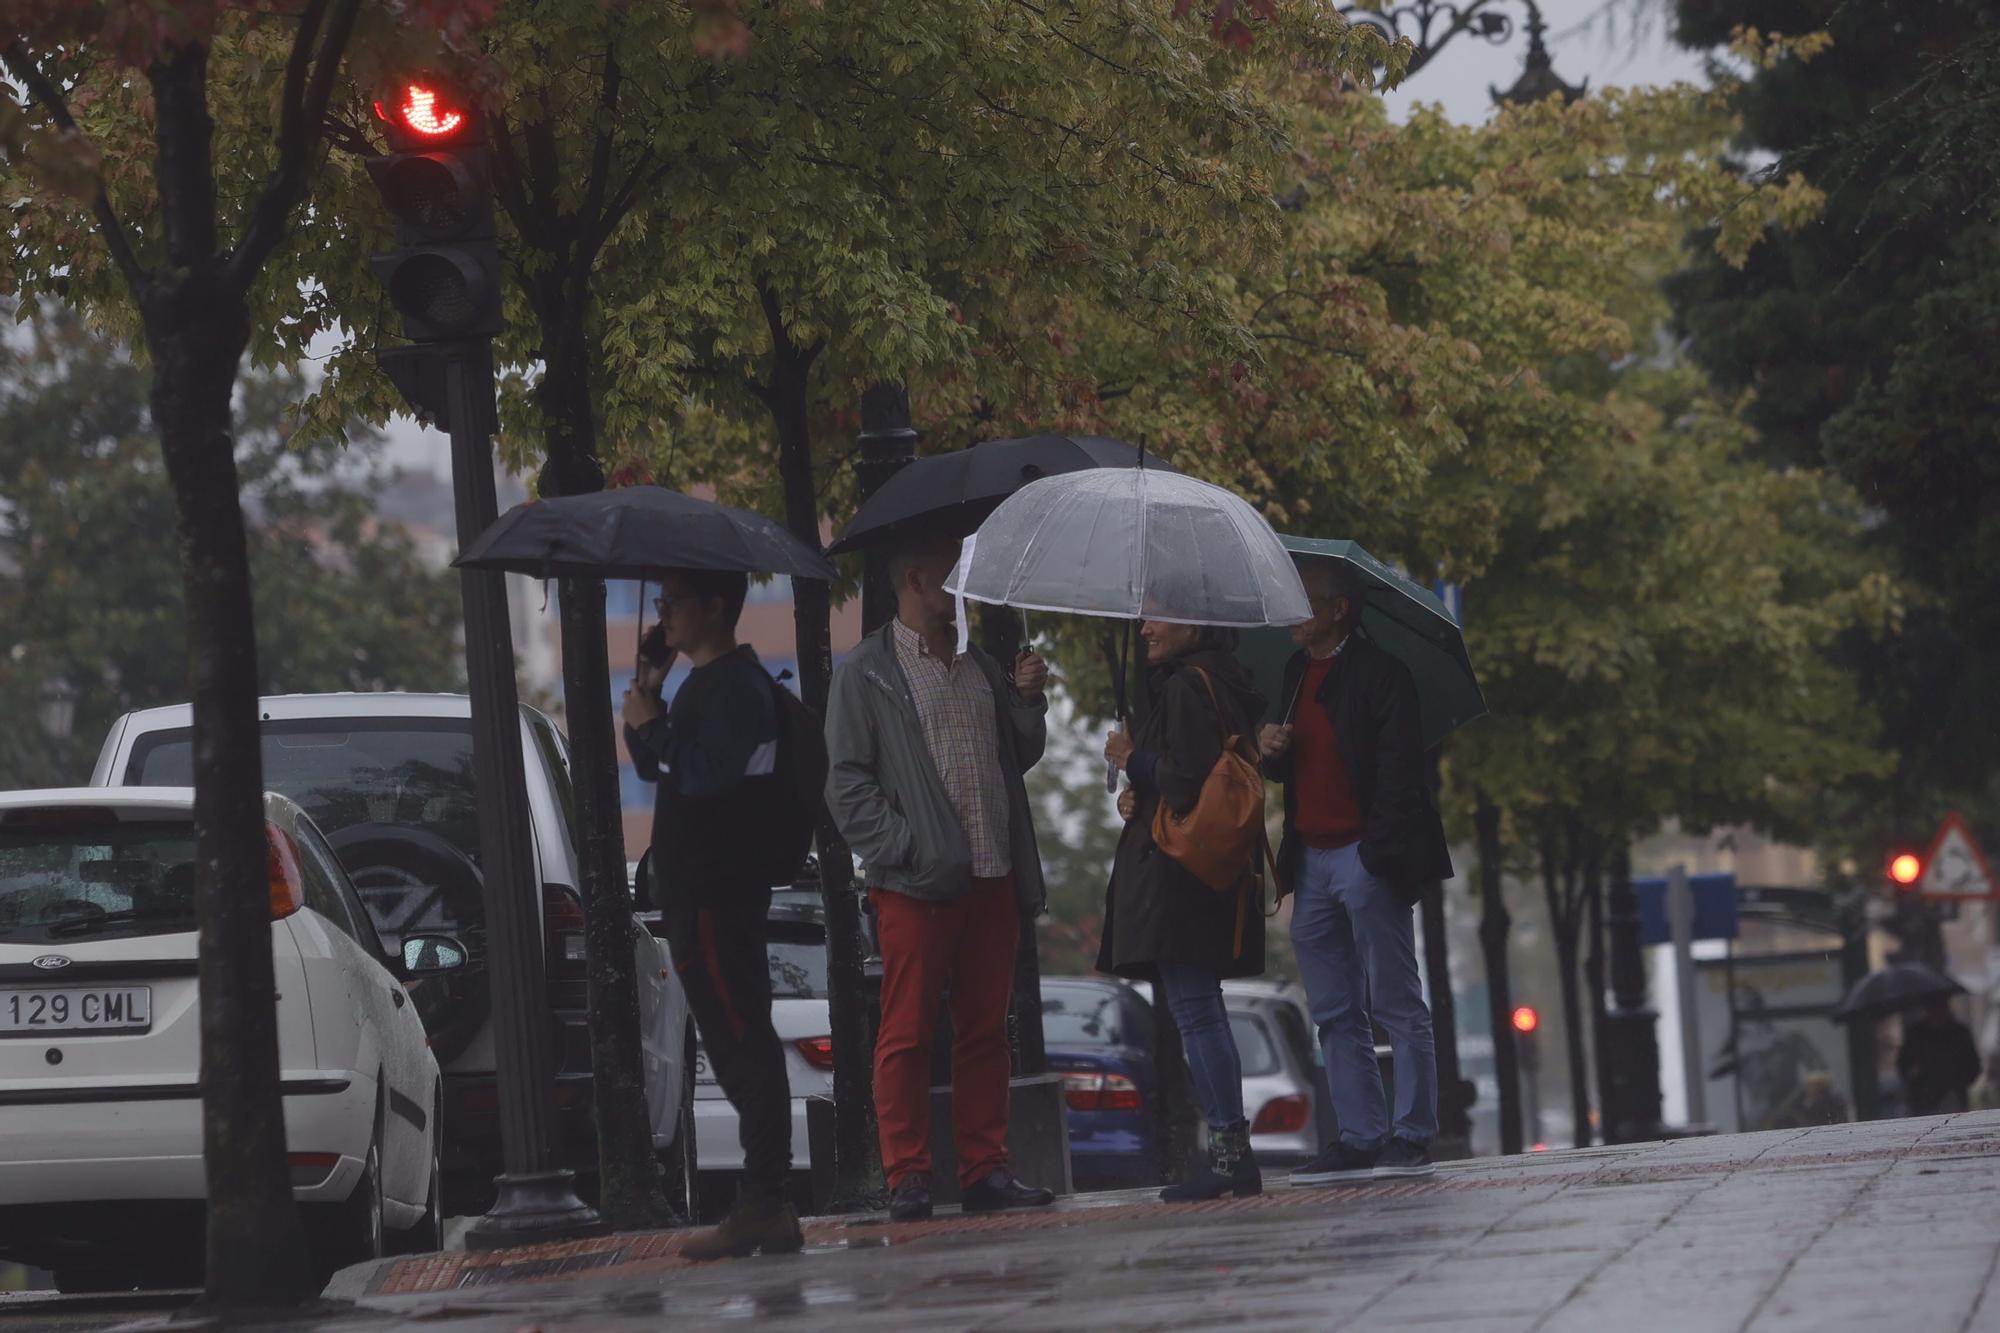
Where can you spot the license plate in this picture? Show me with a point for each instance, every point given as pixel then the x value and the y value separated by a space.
pixel 702 1073
pixel 94 1009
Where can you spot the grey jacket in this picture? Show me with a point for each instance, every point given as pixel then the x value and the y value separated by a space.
pixel 885 793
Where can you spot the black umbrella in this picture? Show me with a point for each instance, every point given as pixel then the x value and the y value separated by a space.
pixel 1895 988
pixel 635 532
pixel 953 493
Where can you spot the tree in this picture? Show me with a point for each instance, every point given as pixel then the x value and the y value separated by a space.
pixel 342 601
pixel 1864 339
pixel 110 128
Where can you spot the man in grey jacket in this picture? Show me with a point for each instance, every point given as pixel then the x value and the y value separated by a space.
pixel 927 747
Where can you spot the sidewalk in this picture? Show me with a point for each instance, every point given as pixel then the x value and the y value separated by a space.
pixel 1891 1226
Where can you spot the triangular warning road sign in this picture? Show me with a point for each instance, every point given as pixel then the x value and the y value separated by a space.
pixel 1954 867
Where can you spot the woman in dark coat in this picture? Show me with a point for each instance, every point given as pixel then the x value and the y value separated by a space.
pixel 1160 922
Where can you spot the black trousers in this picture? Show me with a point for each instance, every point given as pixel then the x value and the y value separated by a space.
pixel 720 950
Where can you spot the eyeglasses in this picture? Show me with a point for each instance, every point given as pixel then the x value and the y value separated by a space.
pixel 665 605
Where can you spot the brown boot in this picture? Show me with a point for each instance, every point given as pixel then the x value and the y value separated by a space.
pixel 761 1220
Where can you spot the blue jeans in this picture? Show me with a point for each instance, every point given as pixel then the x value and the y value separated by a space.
pixel 1194 998
pixel 1357 954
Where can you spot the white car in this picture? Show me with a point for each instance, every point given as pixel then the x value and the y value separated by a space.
pixel 388 778
pixel 1282 1089
pixel 101 1177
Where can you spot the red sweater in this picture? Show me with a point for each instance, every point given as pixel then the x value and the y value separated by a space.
pixel 1327 814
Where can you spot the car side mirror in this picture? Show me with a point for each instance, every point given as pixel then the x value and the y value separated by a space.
pixel 642 884
pixel 428 955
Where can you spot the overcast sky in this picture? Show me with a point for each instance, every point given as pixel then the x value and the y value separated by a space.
pixel 1609 42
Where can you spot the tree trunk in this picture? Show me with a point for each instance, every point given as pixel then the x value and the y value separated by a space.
pixel 1000 638
pixel 1559 873
pixel 629 1193
pixel 1494 925
pixel 857 1152
pixel 1594 979
pixel 197 325
pixel 1454 1136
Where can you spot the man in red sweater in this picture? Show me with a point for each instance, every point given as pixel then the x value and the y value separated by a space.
pixel 1362 839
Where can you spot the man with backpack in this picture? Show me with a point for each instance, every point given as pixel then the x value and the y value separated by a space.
pixel 725 797
pixel 927 747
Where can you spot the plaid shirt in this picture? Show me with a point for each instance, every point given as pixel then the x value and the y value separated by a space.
pixel 955 704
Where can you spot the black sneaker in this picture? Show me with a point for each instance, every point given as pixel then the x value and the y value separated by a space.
pixel 1339 1162
pixel 1400 1157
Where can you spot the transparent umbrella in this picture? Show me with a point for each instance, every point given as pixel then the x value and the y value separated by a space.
pixel 1133 544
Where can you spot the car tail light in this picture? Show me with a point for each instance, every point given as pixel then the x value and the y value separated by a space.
pixel 1101 1092
pixel 311 1168
pixel 281 862
pixel 1283 1115
pixel 818 1051
pixel 563 951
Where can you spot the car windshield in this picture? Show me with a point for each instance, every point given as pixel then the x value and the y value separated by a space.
pixel 364 781
pixel 67 881
pixel 1080 1016
pixel 1253 1045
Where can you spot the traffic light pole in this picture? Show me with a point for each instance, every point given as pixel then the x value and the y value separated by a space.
pixel 537 1201
pixel 1633 1037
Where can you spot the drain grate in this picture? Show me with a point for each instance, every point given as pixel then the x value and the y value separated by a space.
pixel 487 1275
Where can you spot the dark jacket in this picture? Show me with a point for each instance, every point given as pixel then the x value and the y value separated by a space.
pixel 1372 700
pixel 714 757
pixel 1154 910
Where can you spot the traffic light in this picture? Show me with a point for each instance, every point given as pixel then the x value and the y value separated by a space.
pixel 437 182
pixel 1905 869
pixel 1526 1024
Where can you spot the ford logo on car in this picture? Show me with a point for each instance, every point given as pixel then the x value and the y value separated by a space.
pixel 49 962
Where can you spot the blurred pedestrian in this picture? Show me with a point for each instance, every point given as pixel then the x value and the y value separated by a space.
pixel 1362 840
pixel 927 748
pixel 1986 1092
pixel 714 755
pixel 1938 1061
pixel 1164 923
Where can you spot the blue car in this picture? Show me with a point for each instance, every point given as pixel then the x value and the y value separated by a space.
pixel 1099 1037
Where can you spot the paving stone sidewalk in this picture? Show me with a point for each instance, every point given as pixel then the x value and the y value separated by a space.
pixel 1891 1226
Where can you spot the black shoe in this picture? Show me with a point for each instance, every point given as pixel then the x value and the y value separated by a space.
pixel 1400 1157
pixel 1339 1162
pixel 912 1200
pixel 1001 1190
pixel 1229 1168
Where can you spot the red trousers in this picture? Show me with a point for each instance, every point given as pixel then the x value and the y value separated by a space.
pixel 968 942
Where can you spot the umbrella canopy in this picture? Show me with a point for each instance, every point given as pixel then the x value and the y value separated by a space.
pixel 1895 988
pixel 953 493
pixel 635 532
pixel 1133 544
pixel 1401 617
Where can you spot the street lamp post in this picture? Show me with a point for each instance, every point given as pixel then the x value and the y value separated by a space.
pixel 1432 25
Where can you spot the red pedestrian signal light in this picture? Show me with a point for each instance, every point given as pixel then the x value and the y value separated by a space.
pixel 1906 869
pixel 437 182
pixel 1526 1020
pixel 420 111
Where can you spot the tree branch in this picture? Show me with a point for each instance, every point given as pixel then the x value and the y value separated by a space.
pixel 301 123
pixel 44 91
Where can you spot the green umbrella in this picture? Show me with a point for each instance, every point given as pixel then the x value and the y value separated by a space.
pixel 1399 616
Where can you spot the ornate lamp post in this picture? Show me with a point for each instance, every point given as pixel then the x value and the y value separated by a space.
pixel 1432 25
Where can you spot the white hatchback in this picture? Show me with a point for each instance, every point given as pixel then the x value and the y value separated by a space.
pixel 101 1176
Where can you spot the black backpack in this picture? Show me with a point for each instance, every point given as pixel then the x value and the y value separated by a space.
pixel 800 786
